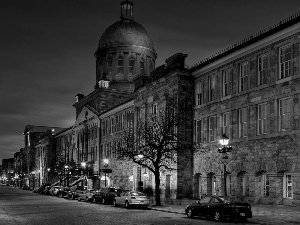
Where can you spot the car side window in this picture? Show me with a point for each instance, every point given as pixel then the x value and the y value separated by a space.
pixel 214 200
pixel 205 200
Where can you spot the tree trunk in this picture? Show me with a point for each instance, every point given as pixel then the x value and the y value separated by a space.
pixel 157 190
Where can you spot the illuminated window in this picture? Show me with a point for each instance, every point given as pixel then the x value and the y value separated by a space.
pixel 262 119
pixel 284 114
pixel 226 124
pixel 242 122
pixel 288 186
pixel 244 74
pixel 226 83
pixel 284 61
pixel 211 87
pixel 109 66
pixel 262 69
pixel 120 66
pixel 131 64
pixel 199 93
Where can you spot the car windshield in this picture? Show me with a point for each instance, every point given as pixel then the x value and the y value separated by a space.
pixel 224 200
pixel 137 193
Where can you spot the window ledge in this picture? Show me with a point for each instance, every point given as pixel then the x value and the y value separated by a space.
pixel 283 80
pixel 226 97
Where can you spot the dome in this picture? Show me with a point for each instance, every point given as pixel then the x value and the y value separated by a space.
pixel 125 33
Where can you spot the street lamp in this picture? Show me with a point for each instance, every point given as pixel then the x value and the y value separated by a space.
pixel 67 174
pixel 140 184
pixel 225 148
pixel 105 165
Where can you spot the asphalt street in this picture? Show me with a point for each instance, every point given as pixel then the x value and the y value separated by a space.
pixel 25 207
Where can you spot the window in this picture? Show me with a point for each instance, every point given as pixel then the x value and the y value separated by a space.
pixel 154 109
pixel 284 61
pixel 131 64
pixel 109 66
pixel 120 64
pixel 211 87
pixel 211 128
pixel 199 93
pixel 142 66
pixel 266 185
pixel 226 124
pixel 244 73
pixel 284 114
pixel 226 82
pixel 198 127
pixel 112 125
pixel 288 186
pixel 262 119
pixel 242 122
pixel 229 184
pixel 262 69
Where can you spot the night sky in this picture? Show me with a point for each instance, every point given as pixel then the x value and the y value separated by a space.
pixel 47 48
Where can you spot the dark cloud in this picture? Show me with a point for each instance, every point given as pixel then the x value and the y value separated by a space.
pixel 47 48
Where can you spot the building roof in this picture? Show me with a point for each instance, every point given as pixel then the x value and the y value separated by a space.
pixel 40 129
pixel 294 19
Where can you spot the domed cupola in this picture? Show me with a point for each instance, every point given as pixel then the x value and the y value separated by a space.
pixel 125 49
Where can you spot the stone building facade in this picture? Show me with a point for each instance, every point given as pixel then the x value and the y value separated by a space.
pixel 250 92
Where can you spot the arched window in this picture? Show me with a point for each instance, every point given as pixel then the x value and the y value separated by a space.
pixel 131 64
pixel 142 66
pixel 109 66
pixel 120 66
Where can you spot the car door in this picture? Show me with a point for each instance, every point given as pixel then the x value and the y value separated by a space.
pixel 215 205
pixel 123 198
pixel 203 207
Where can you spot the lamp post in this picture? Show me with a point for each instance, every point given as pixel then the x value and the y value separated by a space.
pixel 67 174
pixel 225 148
pixel 83 165
pixel 105 165
pixel 140 184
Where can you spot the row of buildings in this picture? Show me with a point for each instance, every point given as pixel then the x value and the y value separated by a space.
pixel 249 91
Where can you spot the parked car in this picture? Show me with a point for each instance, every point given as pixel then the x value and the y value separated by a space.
pixel 75 191
pixel 46 190
pixel 132 198
pixel 87 195
pixel 25 187
pixel 62 192
pixel 218 208
pixel 106 195
pixel 53 190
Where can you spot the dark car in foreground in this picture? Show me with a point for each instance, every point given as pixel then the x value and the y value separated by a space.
pixel 218 208
pixel 106 195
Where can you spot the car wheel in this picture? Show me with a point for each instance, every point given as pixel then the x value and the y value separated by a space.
pixel 127 204
pixel 217 216
pixel 73 197
pixel 115 203
pixel 79 199
pixel 103 201
pixel 61 195
pixel 190 213
pixel 94 200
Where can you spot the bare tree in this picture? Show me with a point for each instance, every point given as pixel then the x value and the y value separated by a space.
pixel 158 142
